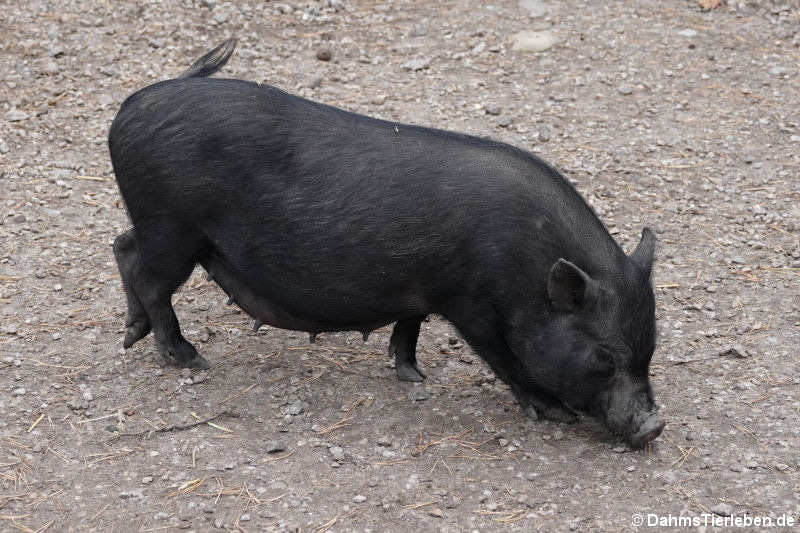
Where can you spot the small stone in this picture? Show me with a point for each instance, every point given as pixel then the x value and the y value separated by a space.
pixel 275 446
pixel 128 494
pixel 493 110
pixel 436 513
pixel 625 89
pixel 722 509
pixel 737 350
pixel 534 8
pixel 315 83
pixel 417 64
pixel 245 517
pixel 19 391
pixel 219 523
pixel 147 479
pixel 619 449
pixel 57 287
pixel 418 393
pixel 337 452
pixel 505 122
pixel 51 67
pixel 378 100
pixel 359 498
pixel 384 441
pixel 15 115
pixel 324 54
pixel 19 219
pixel 295 408
pixel 199 378
pixel 558 434
pixel 688 32
pixel 161 515
pixel 533 41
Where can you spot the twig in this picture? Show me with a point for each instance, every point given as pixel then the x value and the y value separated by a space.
pixel 178 427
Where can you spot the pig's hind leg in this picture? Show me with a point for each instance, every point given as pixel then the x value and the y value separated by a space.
pixel 161 260
pixel 403 347
pixel 137 323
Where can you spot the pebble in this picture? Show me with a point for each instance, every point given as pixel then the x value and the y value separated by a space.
pixel 533 8
pixel 245 517
pixel 324 54
pixel 128 494
pixel 737 351
pixel 19 391
pixel 295 408
pixel 533 41
pixel 161 515
pixel 359 498
pixel 57 287
pixel 275 446
pixel 147 479
pixel 337 452
pixel 722 509
pixel 436 513
pixel 688 32
pixel 493 109
pixel 418 393
pixel 417 64
pixel 625 89
pixel 15 115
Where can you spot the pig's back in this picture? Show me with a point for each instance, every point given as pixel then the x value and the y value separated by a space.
pixel 292 190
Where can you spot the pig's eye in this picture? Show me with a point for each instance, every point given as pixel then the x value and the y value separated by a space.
pixel 601 363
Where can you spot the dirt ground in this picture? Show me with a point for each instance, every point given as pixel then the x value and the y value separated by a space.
pixel 661 113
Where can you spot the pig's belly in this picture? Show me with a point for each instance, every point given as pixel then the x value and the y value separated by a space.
pixel 266 312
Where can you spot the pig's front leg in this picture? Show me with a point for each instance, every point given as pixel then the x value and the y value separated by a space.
pixel 403 347
pixel 543 405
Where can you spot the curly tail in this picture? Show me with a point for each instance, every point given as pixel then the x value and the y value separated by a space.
pixel 211 62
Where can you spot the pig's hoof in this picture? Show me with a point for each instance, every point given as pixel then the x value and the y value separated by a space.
pixel 530 411
pixel 552 413
pixel 134 331
pixel 410 373
pixel 185 356
pixel 559 414
pixel 199 362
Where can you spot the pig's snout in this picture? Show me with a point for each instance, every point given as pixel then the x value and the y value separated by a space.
pixel 648 431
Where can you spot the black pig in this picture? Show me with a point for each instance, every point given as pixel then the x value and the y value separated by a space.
pixel 317 219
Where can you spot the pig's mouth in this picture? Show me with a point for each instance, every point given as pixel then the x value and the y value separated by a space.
pixel 638 429
pixel 647 432
pixel 633 417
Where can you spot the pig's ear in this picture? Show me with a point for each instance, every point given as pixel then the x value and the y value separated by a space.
pixel 643 254
pixel 569 287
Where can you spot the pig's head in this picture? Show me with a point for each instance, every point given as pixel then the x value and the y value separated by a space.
pixel 595 350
